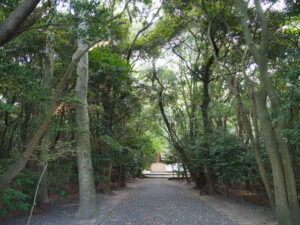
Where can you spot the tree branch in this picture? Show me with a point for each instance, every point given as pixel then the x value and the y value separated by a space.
pixel 139 33
pixel 16 19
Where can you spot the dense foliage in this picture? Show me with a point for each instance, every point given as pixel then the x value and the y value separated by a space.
pixel 212 85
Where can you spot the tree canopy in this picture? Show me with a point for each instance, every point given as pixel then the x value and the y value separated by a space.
pixel 96 89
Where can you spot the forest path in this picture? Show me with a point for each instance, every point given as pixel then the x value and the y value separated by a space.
pixel 149 202
pixel 159 201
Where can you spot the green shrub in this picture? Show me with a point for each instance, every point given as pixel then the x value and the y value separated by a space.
pixel 26 181
pixel 12 200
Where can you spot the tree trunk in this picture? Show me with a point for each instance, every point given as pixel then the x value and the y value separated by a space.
pixel 210 177
pixel 26 115
pixel 87 192
pixel 19 165
pixel 246 124
pixel 122 176
pixel 287 209
pixel 42 195
pixel 281 200
pixel 196 175
pixel 259 160
pixel 187 178
pixel 46 84
pixel 104 185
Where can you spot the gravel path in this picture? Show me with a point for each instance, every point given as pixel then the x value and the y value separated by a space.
pixel 161 202
pixel 149 202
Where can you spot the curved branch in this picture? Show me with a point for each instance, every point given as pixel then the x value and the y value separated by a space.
pixel 130 50
pixel 16 19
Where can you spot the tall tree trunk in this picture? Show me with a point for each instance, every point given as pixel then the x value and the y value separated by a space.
pixel 87 192
pixel 249 133
pixel 205 76
pixel 176 144
pixel 19 165
pixel 104 184
pixel 287 209
pixel 261 167
pixel 210 179
pixel 281 200
pixel 195 175
pixel 46 84
pixel 26 114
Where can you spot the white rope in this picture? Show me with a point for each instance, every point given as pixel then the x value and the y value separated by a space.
pixel 36 191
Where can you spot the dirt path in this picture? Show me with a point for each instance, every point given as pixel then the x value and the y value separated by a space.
pixel 147 202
